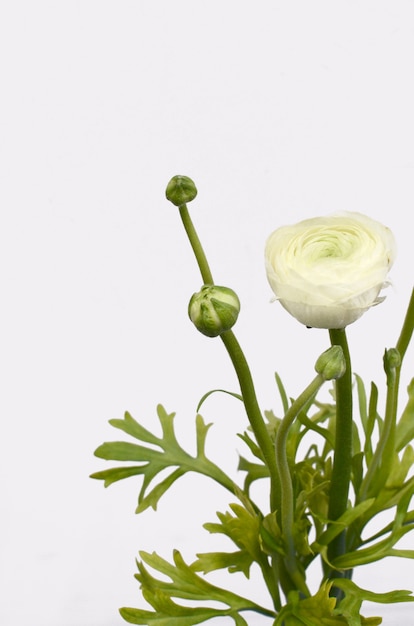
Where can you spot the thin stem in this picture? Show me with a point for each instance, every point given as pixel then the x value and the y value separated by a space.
pixel 253 413
pixel 247 389
pixel 378 470
pixel 405 336
pixel 341 469
pixel 196 246
pixel 287 512
pixel 407 329
pixel 240 365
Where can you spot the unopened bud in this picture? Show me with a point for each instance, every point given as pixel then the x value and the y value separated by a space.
pixel 180 190
pixel 331 364
pixel 392 359
pixel 213 310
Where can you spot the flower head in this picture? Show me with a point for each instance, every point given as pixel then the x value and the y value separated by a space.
pixel 327 271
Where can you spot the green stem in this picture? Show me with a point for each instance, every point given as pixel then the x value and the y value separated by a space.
pixel 405 336
pixel 263 439
pixel 246 387
pixel 378 470
pixel 196 246
pixel 253 413
pixel 287 512
pixel 407 329
pixel 240 365
pixel 341 469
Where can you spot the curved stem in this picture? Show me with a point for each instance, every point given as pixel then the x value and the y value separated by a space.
pixel 247 390
pixel 253 413
pixel 196 246
pixel 287 512
pixel 341 469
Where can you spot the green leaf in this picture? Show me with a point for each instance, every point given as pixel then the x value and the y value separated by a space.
pixel 282 393
pixel 317 610
pixel 183 583
pixel 243 528
pixel 395 490
pixel 254 471
pixel 383 548
pixel 114 474
pixel 335 528
pixel 321 610
pixel 239 561
pixel 405 426
pixel 209 393
pixel 354 596
pixel 162 453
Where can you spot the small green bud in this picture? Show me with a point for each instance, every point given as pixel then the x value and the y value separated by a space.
pixel 331 364
pixel 392 359
pixel 180 190
pixel 213 310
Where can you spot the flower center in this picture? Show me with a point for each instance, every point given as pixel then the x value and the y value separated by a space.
pixel 328 245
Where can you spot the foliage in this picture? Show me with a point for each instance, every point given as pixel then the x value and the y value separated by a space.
pixel 331 476
pixel 256 534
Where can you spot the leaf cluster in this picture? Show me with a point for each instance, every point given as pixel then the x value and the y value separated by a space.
pixel 256 536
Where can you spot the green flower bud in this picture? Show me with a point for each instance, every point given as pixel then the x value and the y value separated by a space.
pixel 331 364
pixel 213 310
pixel 392 359
pixel 180 190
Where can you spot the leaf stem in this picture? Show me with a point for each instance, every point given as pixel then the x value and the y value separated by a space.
pixel 341 469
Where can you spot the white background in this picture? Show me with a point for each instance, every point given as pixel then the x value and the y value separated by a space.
pixel 279 111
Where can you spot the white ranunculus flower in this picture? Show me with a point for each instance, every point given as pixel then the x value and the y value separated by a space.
pixel 327 271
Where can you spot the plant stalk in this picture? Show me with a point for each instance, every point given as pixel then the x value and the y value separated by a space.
pixel 341 469
pixel 287 511
pixel 196 245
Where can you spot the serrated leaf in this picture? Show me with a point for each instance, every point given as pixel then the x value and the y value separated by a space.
pixel 320 610
pixel 254 471
pixel 114 474
pixel 183 583
pixel 133 428
pixel 239 561
pixel 354 596
pixel 243 526
pixel 153 497
pixel 163 453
